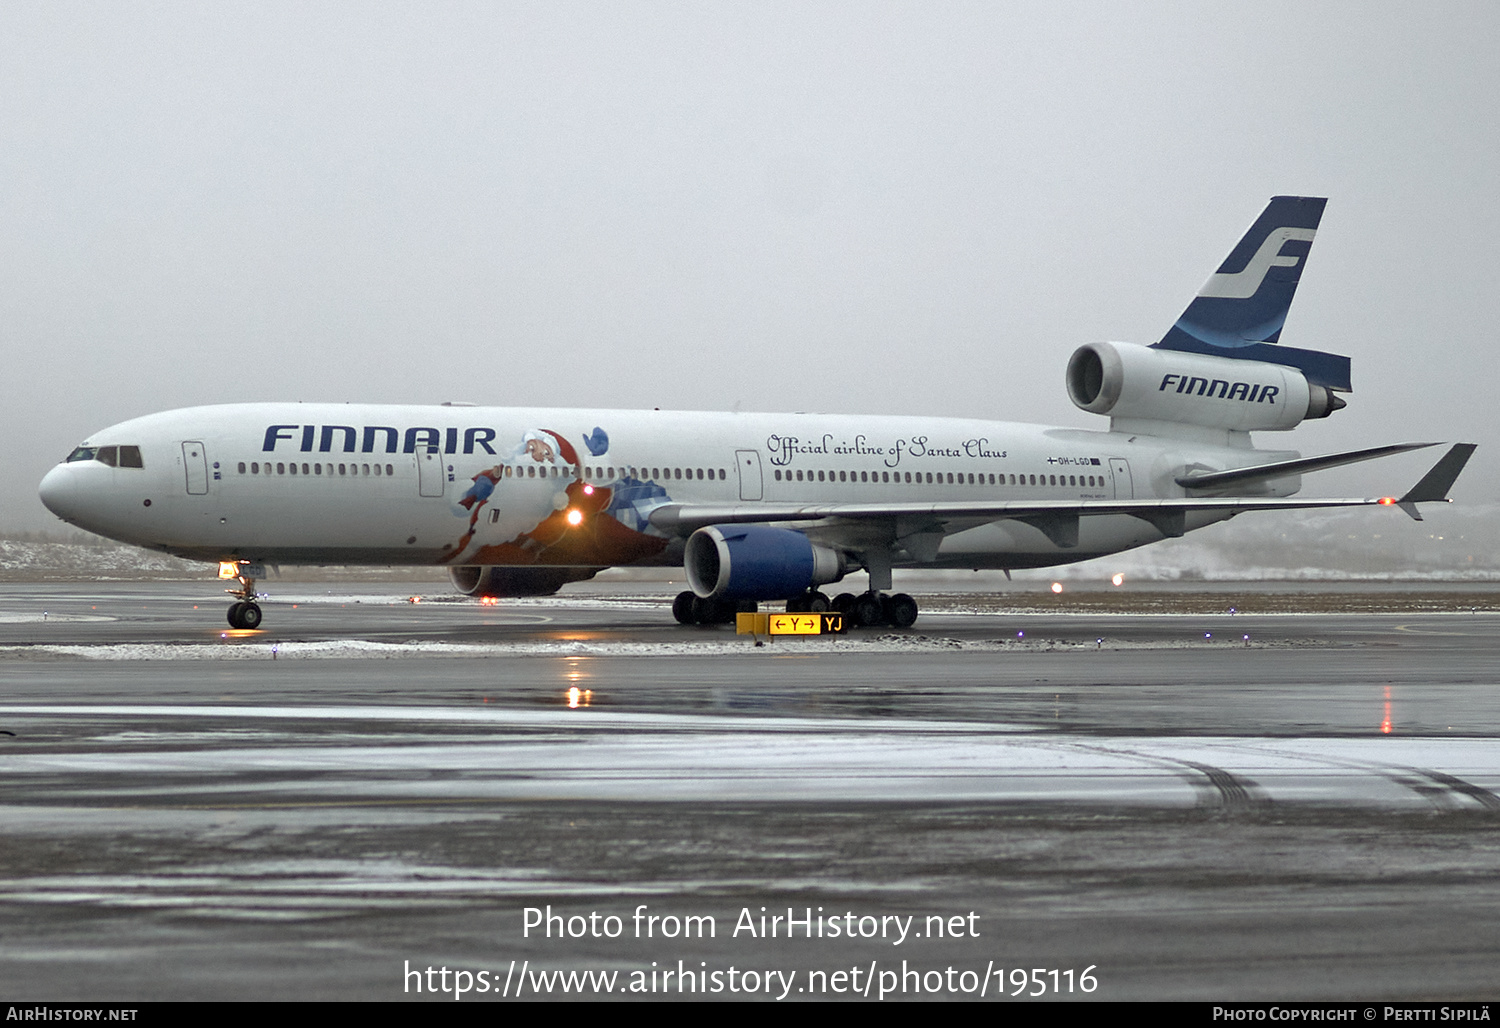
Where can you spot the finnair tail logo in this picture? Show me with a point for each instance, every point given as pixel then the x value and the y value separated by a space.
pixel 1241 285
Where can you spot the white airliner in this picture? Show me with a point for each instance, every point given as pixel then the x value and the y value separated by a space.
pixel 518 501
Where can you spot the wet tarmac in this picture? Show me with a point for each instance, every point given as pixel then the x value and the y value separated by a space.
pixel 1204 806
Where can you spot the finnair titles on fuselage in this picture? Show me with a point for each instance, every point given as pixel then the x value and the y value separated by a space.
pixel 758 507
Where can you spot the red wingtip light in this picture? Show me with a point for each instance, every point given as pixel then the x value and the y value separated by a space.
pixel 1386 501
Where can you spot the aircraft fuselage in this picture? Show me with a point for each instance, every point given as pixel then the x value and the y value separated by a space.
pixel 284 483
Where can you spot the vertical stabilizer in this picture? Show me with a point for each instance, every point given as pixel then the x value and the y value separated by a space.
pixel 1242 307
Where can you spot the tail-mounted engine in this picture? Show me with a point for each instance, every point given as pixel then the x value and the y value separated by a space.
pixel 1142 383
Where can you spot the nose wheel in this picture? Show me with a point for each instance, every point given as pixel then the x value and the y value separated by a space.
pixel 244 615
pixel 245 612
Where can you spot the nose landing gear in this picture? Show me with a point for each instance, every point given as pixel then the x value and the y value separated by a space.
pixel 245 613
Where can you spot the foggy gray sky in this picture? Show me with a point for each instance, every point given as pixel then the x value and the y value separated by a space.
pixel 881 208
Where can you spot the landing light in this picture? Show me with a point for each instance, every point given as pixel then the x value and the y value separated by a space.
pixel 1057 587
pixel 1119 579
pixel 575 517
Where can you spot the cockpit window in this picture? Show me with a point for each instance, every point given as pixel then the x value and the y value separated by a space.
pixel 114 456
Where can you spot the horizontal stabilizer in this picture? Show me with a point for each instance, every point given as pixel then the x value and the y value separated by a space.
pixel 1434 486
pixel 1280 469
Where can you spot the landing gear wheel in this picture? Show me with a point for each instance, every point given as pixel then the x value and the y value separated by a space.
pixel 810 602
pixel 868 611
pixel 250 615
pixel 682 608
pixel 713 612
pixel 244 613
pixel 900 610
pixel 843 602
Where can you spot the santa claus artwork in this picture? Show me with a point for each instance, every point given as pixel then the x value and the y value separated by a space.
pixel 537 508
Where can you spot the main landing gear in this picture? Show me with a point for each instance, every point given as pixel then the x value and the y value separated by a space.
pixel 691 609
pixel 245 613
pixel 871 609
pixel 867 610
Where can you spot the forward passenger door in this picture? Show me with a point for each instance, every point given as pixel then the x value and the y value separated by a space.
pixel 752 487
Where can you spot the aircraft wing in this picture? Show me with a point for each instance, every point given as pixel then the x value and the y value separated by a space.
pixel 1058 519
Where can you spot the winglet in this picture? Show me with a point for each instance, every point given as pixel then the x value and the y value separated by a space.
pixel 1434 486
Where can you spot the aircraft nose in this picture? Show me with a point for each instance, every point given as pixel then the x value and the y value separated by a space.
pixel 60 492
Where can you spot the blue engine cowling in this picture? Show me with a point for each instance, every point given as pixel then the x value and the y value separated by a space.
pixel 753 562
